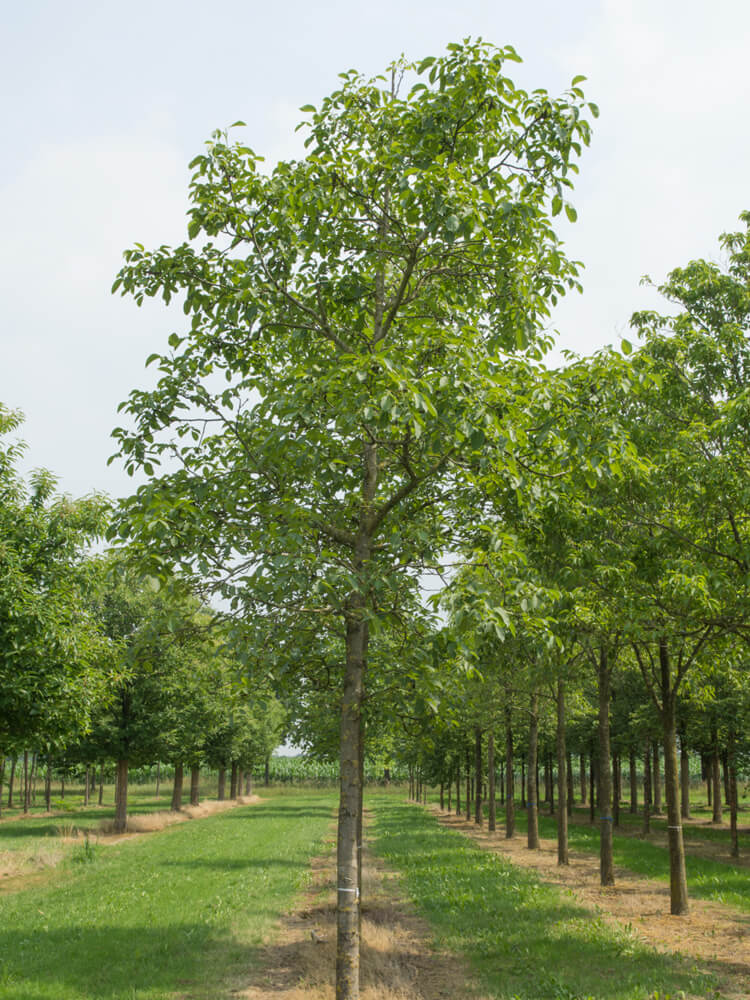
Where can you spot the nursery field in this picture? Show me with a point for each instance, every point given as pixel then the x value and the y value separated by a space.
pixel 175 913
pixel 199 910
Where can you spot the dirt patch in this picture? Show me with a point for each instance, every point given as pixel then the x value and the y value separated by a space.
pixel 716 936
pixel 398 961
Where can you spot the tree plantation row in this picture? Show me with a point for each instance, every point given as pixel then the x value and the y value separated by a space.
pixel 415 536
pixel 100 664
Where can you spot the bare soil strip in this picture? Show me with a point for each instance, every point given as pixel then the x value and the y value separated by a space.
pixel 717 937
pixel 398 960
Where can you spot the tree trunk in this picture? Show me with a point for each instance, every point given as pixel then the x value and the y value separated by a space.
pixel 10 783
pixel 267 772
pixel 724 772
pixel 510 796
pixel 532 807
pixel 732 764
pixel 684 780
pixel 350 803
pixel 491 806
pixel 468 785
pixel 582 765
pixel 458 789
pixel 2 778
pixel 177 789
pixel 47 785
pixel 616 783
pixel 571 784
pixel 604 773
pixel 523 783
pixel 26 782
pixel 551 796
pixel 706 776
pixel 234 781
pixel 633 783
pixel 647 789
pixel 101 782
pixel 656 779
pixel 195 777
pixel 34 772
pixel 158 778
pixel 478 773
pixel 87 786
pixel 592 787
pixel 677 876
pixel 222 792
pixel 562 778
pixel 716 778
pixel 121 797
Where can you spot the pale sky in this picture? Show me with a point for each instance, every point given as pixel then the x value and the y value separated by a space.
pixel 104 105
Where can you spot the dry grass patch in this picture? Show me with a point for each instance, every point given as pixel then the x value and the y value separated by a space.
pixel 153 822
pixel 398 961
pixel 18 864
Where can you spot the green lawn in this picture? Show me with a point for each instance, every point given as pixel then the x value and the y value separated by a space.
pixel 172 914
pixel 526 940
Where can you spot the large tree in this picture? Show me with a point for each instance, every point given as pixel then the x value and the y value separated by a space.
pixel 348 314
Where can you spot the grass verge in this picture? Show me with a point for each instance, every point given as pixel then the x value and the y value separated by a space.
pixel 526 940
pixel 719 881
pixel 179 914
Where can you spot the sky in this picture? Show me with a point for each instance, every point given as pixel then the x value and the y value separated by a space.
pixel 104 105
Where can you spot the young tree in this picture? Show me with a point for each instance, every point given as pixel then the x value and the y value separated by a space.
pixel 50 649
pixel 355 303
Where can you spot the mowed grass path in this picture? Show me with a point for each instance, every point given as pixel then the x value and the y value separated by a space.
pixel 526 940
pixel 179 913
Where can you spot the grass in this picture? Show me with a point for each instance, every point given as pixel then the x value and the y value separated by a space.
pixel 719 881
pixel 29 834
pixel 141 798
pixel 526 940
pixel 177 914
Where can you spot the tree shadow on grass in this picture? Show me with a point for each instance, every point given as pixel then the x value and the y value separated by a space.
pixel 235 864
pixel 525 938
pixel 261 811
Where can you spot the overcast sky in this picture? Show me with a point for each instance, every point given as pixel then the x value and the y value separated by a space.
pixel 104 104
